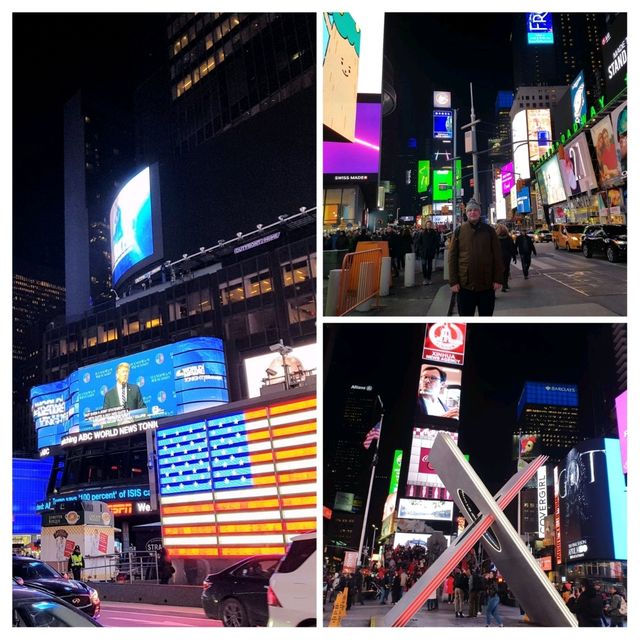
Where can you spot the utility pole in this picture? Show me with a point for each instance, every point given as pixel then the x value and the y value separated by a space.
pixel 453 171
pixel 474 147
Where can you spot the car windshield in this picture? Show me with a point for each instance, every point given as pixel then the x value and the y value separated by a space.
pixel 31 570
pixel 615 229
pixel 575 228
pixel 45 613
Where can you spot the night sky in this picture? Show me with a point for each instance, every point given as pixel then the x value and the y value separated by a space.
pixel 499 359
pixel 54 55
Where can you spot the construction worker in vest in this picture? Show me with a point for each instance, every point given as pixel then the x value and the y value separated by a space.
pixel 76 563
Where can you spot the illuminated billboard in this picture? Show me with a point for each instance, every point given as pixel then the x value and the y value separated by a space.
pixel 412 539
pixel 538 132
pixel 169 380
pixel 424 175
pixel 548 393
pixel 519 136
pixel 135 228
pixel 549 172
pixel 443 124
pixel 395 471
pixel 415 509
pixel 356 161
pixel 501 203
pixel 444 342
pixel 443 182
pixel 539 28
pixel 268 369
pixel 578 99
pixel 239 483
pixel 619 124
pixel 422 479
pixel 507 177
pixel 604 143
pixel 621 418
pixel 614 56
pixel 30 481
pixel 438 394
pixel 523 200
pixel 576 168
pixel 526 447
pixel 592 502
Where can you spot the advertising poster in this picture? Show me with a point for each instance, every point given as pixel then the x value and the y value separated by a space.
pixel 131 225
pixel 576 167
pixel 425 509
pixel 526 447
pixel 538 132
pixel 604 142
pixel 621 417
pixel 438 395
pixel 578 98
pixel 614 56
pixel 592 497
pixel 422 480
pixel 619 124
pixel 552 177
pixel 519 136
pixel 444 342
pixel 443 124
pixel 268 369
pixel 508 179
pixel 539 28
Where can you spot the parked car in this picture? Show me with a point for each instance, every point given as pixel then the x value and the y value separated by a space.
pixel 237 595
pixel 609 240
pixel 567 236
pixel 292 587
pixel 39 575
pixel 36 608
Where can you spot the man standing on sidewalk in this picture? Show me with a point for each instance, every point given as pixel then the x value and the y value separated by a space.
pixel 427 246
pixel 458 592
pixel 475 264
pixel 525 247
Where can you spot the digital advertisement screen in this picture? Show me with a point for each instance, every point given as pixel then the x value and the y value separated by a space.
pixel 135 226
pixel 507 177
pixel 412 539
pixel 352 65
pixel 621 418
pixel 604 142
pixel 614 56
pixel 538 132
pixel 578 98
pixel 395 471
pixel 443 124
pixel 438 394
pixel 526 447
pixel 169 380
pixel 576 168
pixel 523 199
pixel 519 136
pixel 501 203
pixel 444 342
pixel 539 28
pixel 30 480
pixel 619 124
pixel 422 479
pixel 443 182
pixel 268 368
pixel 356 161
pixel 246 480
pixel 424 175
pixel 425 509
pixel 593 502
pixel 548 393
pixel 552 177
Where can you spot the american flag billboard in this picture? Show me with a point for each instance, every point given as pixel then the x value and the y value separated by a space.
pixel 239 483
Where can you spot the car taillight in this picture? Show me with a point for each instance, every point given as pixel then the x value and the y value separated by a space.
pixel 272 599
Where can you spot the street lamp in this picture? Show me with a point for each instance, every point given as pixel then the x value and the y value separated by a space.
pixel 373 539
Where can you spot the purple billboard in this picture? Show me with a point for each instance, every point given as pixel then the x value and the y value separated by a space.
pixel 507 178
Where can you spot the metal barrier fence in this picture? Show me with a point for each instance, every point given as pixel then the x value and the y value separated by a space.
pixel 359 280
pixel 133 566
pixel 339 608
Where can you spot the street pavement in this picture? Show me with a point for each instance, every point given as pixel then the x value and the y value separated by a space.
pixel 371 612
pixel 560 284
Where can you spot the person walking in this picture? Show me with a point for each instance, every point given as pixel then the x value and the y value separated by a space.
pixel 448 589
pixel 458 590
pixel 508 254
pixel 475 587
pixel 525 247
pixel 385 587
pixel 396 587
pixel 493 600
pixel 427 247
pixel 76 563
pixel 358 586
pixel 475 264
pixel 165 568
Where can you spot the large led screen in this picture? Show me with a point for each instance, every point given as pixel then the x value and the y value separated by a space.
pixel 578 99
pixel 548 393
pixel 357 160
pixel 443 182
pixel 592 502
pixel 523 200
pixel 170 380
pixel 424 175
pixel 414 509
pixel 576 167
pixel 443 124
pixel 614 56
pixel 604 143
pixel 554 187
pixel 239 483
pixel 268 369
pixel 539 28
pixel 412 539
pixel 422 479
pixel 135 225
pixel 444 342
pixel 508 178
pixel 538 132
pixel 619 123
pixel 621 418
pixel 30 480
pixel 438 394
pixel 519 136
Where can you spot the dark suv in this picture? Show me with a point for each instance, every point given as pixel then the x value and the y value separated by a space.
pixel 39 575
pixel 609 240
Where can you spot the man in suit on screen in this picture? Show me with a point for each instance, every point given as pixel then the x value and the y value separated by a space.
pixel 123 394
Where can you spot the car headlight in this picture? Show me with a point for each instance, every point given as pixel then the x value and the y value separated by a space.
pixel 574 238
pixel 619 242
pixel 93 596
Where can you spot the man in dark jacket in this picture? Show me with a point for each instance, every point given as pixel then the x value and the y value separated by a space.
pixel 588 607
pixel 427 247
pixel 525 247
pixel 475 264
